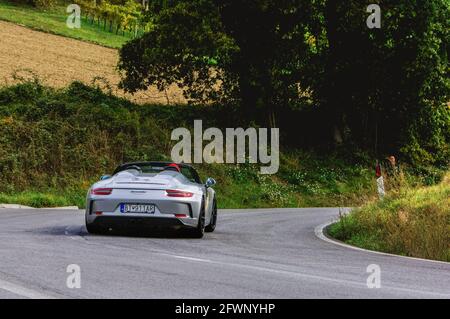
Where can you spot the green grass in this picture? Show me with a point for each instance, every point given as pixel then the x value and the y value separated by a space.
pixel 45 199
pixel 54 21
pixel 414 221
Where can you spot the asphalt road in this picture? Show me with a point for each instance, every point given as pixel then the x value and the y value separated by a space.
pixel 253 254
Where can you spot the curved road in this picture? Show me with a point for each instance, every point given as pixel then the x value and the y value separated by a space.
pixel 270 253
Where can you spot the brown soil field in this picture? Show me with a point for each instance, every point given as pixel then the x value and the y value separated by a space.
pixel 59 61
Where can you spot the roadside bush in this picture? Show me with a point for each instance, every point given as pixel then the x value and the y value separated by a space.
pixel 51 138
pixel 43 4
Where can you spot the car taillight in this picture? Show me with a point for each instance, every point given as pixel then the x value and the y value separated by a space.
pixel 181 216
pixel 177 193
pixel 101 191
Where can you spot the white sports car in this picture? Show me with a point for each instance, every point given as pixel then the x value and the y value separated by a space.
pixel 152 194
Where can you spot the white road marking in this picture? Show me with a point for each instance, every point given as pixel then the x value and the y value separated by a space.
pixel 188 258
pixel 319 232
pixel 23 291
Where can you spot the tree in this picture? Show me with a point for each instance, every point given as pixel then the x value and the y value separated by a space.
pixel 387 88
pixel 182 47
pixel 248 52
pixel 383 89
pixel 44 4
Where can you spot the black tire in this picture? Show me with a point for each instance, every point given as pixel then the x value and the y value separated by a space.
pixel 199 231
pixel 93 229
pixel 212 225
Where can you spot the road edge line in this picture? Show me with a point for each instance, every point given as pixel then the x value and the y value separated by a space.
pixel 320 233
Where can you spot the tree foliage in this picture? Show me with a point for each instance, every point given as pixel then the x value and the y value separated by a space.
pixel 380 89
pixel 225 51
pixel 42 4
pixel 388 88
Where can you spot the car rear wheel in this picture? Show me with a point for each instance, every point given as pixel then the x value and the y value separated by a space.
pixel 212 225
pixel 93 229
pixel 199 231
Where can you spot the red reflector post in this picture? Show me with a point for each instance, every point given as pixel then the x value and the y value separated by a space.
pixel 101 191
pixel 378 172
pixel 177 193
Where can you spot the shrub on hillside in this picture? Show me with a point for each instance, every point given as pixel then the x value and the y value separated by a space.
pixel 52 138
pixel 412 222
pixel 43 4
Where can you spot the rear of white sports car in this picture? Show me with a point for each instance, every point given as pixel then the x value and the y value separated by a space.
pixel 130 199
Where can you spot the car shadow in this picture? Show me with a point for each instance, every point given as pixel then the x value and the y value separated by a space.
pixel 163 233
pixel 142 233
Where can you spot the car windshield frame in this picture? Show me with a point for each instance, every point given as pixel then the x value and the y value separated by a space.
pixel 157 167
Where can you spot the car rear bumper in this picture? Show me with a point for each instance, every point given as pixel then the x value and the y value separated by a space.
pixel 133 222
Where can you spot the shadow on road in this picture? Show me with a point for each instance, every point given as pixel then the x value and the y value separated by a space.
pixel 135 232
pixel 142 233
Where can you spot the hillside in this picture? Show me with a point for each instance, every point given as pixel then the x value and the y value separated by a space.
pixel 53 20
pixel 58 61
pixel 40 166
pixel 47 96
pixel 55 143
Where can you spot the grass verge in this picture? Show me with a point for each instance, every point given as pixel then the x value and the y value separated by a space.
pixel 44 199
pixel 413 222
pixel 54 21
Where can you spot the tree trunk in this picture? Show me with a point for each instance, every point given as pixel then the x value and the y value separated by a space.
pixel 334 104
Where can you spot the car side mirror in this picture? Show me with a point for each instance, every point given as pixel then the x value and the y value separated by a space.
pixel 105 177
pixel 210 182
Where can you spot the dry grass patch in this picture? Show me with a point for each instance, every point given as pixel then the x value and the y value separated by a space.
pixel 59 61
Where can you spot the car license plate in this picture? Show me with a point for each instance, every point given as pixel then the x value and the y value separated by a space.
pixel 137 209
